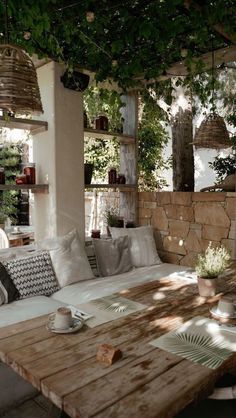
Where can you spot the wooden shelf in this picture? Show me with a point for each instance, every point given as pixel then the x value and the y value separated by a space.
pixel 35 188
pixel 34 126
pixel 122 138
pixel 120 187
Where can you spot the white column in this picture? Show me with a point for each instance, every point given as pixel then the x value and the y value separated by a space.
pixel 59 156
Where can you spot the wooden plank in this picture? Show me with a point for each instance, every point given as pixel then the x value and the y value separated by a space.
pixel 128 156
pixel 23 326
pixel 122 138
pixel 121 187
pixel 222 55
pixel 175 389
pixel 35 188
pixel 120 382
pixel 56 361
pixel 34 126
pixel 56 387
pixel 217 26
pixel 23 340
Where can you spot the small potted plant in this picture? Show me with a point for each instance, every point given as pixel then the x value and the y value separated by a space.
pixel 113 219
pixel 209 266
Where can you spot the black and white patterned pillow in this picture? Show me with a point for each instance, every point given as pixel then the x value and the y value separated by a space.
pixel 8 291
pixel 91 256
pixel 33 275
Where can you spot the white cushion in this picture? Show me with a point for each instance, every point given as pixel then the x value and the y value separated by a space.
pixel 113 255
pixel 29 308
pixel 15 252
pixel 69 259
pixel 92 289
pixel 142 245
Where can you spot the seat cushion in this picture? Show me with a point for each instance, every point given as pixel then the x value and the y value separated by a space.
pixel 29 308
pixel 92 289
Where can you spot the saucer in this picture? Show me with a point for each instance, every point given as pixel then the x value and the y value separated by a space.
pixel 16 232
pixel 77 324
pixel 215 312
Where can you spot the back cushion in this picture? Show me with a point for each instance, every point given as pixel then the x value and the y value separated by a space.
pixel 69 259
pixel 142 244
pixel 113 256
pixel 8 291
pixel 33 275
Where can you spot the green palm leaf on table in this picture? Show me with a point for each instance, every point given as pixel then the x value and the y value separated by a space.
pixel 198 348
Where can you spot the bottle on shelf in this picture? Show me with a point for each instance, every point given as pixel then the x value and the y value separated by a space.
pixel 2 175
pixel 121 179
pixel 112 175
pixel 101 123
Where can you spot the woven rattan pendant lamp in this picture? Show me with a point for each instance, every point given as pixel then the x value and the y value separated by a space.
pixel 19 90
pixel 212 132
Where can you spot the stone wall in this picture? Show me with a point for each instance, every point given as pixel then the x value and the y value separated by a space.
pixel 184 223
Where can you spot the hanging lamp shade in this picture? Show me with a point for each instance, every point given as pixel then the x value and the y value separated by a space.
pixel 212 133
pixel 19 90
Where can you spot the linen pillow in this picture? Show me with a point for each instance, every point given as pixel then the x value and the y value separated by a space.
pixel 69 259
pixel 142 245
pixel 33 275
pixel 8 291
pixel 113 255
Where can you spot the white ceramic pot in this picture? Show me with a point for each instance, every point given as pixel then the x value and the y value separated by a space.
pixel 207 287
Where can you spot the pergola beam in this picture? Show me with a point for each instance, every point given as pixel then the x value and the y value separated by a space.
pixel 218 27
pixel 221 56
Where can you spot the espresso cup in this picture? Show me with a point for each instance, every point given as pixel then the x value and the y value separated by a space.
pixel 226 307
pixel 63 318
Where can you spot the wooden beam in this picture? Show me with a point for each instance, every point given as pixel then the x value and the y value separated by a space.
pixel 179 69
pixel 218 27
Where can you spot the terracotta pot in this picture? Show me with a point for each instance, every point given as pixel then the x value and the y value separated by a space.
pixel 207 287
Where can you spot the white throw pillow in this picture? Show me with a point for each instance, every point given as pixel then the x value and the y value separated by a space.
pixel 69 259
pixel 142 245
pixel 113 256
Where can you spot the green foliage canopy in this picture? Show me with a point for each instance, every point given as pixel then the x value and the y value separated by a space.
pixel 125 39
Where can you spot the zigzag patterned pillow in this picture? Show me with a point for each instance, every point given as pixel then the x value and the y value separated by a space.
pixel 33 275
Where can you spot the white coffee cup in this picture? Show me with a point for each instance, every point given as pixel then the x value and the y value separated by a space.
pixel 63 318
pixel 226 307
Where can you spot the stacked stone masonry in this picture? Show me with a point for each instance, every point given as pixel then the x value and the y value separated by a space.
pixel 184 223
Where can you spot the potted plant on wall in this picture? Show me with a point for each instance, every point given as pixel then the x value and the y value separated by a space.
pixel 113 219
pixel 209 266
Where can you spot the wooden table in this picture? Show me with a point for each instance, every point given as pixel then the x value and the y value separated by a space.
pixel 23 238
pixel 146 382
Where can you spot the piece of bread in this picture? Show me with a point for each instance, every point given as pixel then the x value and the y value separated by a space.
pixel 108 354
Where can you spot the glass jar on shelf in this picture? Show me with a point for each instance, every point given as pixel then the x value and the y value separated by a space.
pixel 29 171
pixel 21 179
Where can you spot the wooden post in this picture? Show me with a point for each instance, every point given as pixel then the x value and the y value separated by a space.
pixel 183 159
pixel 128 157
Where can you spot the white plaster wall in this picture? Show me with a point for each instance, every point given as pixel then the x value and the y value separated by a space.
pixel 58 154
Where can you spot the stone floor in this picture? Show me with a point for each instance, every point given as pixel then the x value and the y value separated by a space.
pixel 33 408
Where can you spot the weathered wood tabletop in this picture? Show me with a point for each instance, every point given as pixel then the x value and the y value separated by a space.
pixel 146 382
